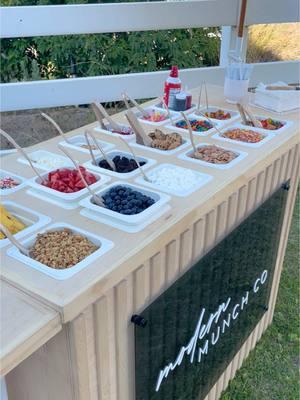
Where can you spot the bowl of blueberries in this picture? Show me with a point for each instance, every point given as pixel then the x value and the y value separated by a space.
pixel 126 166
pixel 127 203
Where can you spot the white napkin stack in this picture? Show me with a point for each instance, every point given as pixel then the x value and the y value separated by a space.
pixel 277 100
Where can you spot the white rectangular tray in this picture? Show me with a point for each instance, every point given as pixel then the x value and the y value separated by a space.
pixel 105 246
pixel 91 166
pixel 76 141
pixel 34 155
pixel 202 179
pixel 161 199
pixel 240 156
pixel 267 136
pixel 18 178
pixel 29 217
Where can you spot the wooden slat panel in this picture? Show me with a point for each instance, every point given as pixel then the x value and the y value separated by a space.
pixel 104 312
pixel 172 260
pixel 186 250
pixel 210 230
pixel 221 220
pixel 198 239
pixel 83 353
pixel 124 340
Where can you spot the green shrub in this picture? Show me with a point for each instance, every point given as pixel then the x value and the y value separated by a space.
pixel 104 54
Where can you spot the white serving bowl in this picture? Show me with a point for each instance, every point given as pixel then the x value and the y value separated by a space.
pixel 91 166
pixel 61 274
pixel 187 157
pixel 21 185
pixel 32 219
pixel 74 143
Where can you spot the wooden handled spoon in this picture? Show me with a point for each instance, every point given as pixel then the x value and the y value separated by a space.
pixel 95 197
pixel 58 128
pixel 242 113
pixel 167 109
pixel 209 120
pixel 99 147
pixel 98 115
pixel 23 153
pixel 105 115
pixel 136 160
pixel 141 136
pixel 14 241
pixel 141 110
pixel 190 131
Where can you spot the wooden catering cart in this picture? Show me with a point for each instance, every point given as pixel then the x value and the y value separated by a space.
pixel 75 339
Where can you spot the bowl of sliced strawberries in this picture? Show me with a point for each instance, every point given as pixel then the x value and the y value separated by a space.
pixel 66 183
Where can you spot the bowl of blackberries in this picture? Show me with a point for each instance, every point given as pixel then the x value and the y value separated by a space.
pixel 126 166
pixel 127 202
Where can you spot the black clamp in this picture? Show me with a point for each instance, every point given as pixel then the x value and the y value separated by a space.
pixel 285 186
pixel 139 320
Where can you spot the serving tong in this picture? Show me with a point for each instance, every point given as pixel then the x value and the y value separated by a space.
pixel 127 98
pixel 58 128
pixel 245 113
pixel 200 96
pixel 100 148
pixel 101 113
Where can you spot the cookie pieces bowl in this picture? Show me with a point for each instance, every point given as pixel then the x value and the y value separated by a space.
pixel 61 250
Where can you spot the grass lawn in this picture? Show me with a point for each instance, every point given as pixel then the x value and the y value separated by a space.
pixel 271 372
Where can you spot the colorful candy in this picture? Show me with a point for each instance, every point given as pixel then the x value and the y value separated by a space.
pixel 8 183
pixel 243 135
pixel 197 125
pixel 155 116
pixel 219 114
pixel 269 124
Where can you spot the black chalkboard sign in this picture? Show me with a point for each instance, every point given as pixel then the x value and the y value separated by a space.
pixel 195 328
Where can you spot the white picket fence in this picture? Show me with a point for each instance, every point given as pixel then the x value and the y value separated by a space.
pixel 103 18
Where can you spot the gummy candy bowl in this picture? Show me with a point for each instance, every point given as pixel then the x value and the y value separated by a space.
pixel 140 205
pixel 199 124
pixel 64 199
pixel 220 115
pixel 124 161
pixel 99 246
pixel 271 125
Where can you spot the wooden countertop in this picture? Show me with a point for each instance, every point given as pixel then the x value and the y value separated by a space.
pixel 25 326
pixel 71 296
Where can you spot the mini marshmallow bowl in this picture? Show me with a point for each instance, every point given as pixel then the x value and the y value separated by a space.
pixel 103 246
pixel 90 165
pixel 114 195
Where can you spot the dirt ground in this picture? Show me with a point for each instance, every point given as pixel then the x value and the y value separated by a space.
pixel 28 127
